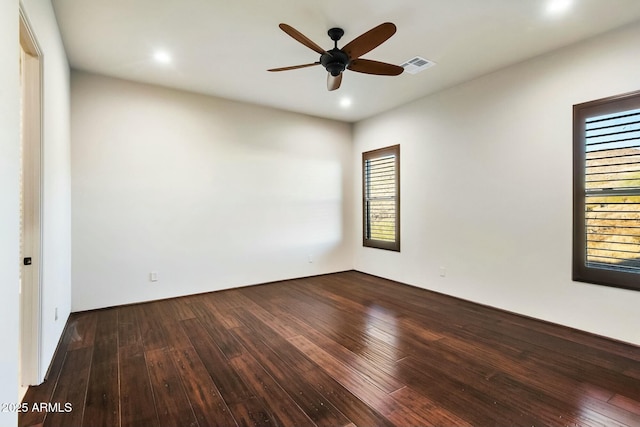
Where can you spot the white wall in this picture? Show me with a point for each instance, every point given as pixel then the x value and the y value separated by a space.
pixel 56 180
pixel 486 175
pixel 9 205
pixel 209 193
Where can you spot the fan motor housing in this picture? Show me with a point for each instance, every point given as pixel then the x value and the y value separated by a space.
pixel 335 62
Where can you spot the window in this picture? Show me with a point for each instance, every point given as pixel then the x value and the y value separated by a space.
pixel 606 191
pixel 381 198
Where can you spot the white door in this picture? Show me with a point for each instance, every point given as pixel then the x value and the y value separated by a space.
pixel 31 216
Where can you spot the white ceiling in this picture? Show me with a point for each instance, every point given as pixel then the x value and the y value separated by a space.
pixel 224 47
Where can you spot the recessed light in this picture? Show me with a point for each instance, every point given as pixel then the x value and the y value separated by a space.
pixel 162 57
pixel 557 7
pixel 345 102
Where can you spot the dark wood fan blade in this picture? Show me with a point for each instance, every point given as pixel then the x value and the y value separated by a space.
pixel 369 40
pixel 297 35
pixel 294 67
pixel 368 66
pixel 333 83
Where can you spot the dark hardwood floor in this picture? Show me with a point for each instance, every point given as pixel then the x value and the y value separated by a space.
pixel 338 350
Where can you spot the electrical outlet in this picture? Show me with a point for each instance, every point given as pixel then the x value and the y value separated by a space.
pixel 443 272
pixel 56 314
pixel 153 276
pixel 310 259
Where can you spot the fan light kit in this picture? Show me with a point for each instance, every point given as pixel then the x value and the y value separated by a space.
pixel 336 61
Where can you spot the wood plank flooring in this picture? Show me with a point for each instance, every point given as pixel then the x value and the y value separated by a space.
pixel 344 349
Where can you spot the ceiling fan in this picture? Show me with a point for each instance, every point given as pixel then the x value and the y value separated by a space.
pixel 335 60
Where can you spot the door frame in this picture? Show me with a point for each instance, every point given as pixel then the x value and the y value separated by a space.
pixel 31 205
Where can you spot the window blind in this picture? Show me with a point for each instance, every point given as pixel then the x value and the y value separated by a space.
pixel 612 191
pixel 381 198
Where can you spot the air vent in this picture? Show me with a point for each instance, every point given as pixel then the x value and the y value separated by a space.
pixel 417 64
